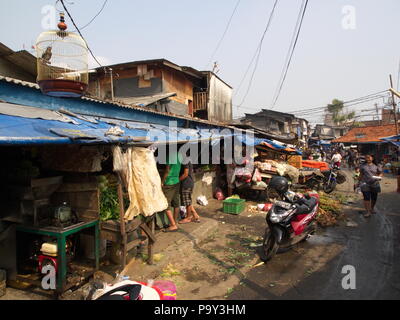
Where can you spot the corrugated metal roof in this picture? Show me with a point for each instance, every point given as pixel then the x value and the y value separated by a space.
pixel 22 59
pixel 20 82
pixel 145 100
pixel 20 130
pixel 17 110
pixel 161 61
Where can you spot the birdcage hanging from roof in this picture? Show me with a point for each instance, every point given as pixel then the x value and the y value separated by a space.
pixel 62 62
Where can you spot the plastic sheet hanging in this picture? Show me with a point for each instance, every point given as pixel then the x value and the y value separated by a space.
pixel 138 170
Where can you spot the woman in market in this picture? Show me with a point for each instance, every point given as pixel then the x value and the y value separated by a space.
pixel 370 174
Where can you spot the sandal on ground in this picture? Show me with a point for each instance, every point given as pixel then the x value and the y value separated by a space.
pixel 367 215
pixel 196 220
pixel 183 221
pixel 166 230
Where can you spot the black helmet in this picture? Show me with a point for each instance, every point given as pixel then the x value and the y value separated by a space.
pixel 279 184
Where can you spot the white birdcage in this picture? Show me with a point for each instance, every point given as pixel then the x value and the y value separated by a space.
pixel 62 62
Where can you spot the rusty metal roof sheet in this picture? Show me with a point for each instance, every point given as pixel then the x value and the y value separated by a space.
pixel 146 100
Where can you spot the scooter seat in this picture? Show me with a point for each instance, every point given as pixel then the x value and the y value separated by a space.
pixel 305 206
pixel 311 202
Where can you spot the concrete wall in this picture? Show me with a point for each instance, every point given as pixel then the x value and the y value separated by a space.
pixel 201 188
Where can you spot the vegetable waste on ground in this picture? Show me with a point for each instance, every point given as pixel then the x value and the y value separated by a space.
pixel 330 210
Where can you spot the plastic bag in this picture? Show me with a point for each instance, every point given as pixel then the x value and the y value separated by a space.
pixel 202 200
pixel 256 176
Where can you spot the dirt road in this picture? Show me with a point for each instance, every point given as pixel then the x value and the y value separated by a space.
pixel 314 269
pixel 218 259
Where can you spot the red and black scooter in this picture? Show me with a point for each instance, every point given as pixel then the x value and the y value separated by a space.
pixel 290 221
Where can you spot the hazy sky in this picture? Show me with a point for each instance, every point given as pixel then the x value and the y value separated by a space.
pixel 329 62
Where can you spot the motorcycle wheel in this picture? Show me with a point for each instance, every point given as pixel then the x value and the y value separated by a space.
pixel 312 184
pixel 329 187
pixel 269 248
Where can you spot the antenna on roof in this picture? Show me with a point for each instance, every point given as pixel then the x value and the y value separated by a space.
pixel 215 67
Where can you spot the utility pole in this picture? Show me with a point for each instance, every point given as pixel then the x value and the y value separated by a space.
pixel 394 106
pixel 377 114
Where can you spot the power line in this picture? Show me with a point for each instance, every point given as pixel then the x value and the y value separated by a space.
pixel 370 97
pixel 258 51
pixel 77 29
pixel 223 35
pixel 248 69
pixel 377 94
pixel 323 111
pixel 302 12
pixel 98 13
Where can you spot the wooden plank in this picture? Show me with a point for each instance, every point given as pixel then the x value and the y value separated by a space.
pixel 110 235
pixel 87 214
pixel 132 244
pixel 151 225
pixel 133 225
pixel 122 222
pixel 148 232
pixel 46 181
pixel 78 187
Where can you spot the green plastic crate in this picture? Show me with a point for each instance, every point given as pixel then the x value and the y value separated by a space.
pixel 233 206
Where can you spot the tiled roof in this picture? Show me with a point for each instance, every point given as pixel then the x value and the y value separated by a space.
pixel 368 134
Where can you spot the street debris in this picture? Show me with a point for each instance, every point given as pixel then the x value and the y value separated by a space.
pixel 351 224
pixel 258 264
pixel 330 210
pixel 157 257
pixel 202 200
pixel 169 271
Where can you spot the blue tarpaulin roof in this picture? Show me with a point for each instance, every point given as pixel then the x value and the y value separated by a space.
pixel 21 125
pixel 18 130
pixel 253 141
pixel 394 139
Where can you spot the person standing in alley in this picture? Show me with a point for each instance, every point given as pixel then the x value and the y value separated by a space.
pixel 370 174
pixel 187 185
pixel 336 159
pixel 171 189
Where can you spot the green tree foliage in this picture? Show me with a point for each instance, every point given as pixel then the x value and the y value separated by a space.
pixel 339 117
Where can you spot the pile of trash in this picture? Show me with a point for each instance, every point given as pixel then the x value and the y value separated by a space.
pixel 276 168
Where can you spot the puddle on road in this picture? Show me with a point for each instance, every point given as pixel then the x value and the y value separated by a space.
pixel 328 237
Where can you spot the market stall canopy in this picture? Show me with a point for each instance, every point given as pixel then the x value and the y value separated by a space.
pixel 22 125
pixel 394 139
pixel 269 144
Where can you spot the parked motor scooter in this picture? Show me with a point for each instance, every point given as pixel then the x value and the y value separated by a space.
pixel 132 290
pixel 290 221
pixel 326 179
